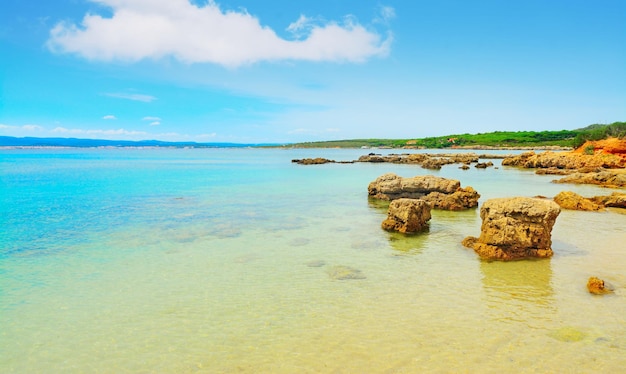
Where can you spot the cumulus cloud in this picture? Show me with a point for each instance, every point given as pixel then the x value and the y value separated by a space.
pixel 153 29
pixel 151 118
pixel 155 123
pixel 109 117
pixel 134 97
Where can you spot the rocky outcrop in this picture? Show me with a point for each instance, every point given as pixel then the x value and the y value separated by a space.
pixel 573 201
pixel 483 165
pixel 407 216
pixel 312 161
pixel 515 228
pixel 605 178
pixel 431 160
pixel 614 200
pixel 596 286
pixel 442 193
pixel 461 199
pixel 565 160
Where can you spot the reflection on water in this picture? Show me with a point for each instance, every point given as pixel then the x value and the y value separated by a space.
pixel 523 288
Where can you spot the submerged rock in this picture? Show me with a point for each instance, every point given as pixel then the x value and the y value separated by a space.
pixel 407 216
pixel 515 228
pixel 316 263
pixel 567 334
pixel 340 272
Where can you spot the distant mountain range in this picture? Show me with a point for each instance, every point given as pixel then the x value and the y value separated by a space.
pixel 9 141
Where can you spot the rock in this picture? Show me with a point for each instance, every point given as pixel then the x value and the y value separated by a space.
pixel 442 193
pixel 341 272
pixel 608 153
pixel 407 216
pixel 515 228
pixel 596 286
pixel 483 165
pixel 312 161
pixel 603 178
pixel 615 200
pixel 554 171
pixel 461 199
pixel 573 201
pixel 436 162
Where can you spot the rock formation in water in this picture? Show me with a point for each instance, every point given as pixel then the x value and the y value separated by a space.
pixel 596 286
pixel 593 162
pixel 573 201
pixel 606 178
pixel 515 228
pixel 461 199
pixel 614 200
pixel 407 216
pixel 441 193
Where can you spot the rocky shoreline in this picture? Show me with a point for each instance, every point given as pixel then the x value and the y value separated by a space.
pixel 601 162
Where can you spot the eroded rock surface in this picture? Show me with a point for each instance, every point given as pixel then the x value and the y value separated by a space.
pixel 614 200
pixel 442 193
pixel 604 178
pixel 596 286
pixel 407 216
pixel 515 228
pixel 573 201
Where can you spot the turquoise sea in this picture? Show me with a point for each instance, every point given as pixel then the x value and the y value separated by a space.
pixel 221 260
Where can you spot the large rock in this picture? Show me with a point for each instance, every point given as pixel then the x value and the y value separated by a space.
pixel 515 228
pixel 573 201
pixel 442 193
pixel 407 216
pixel 461 199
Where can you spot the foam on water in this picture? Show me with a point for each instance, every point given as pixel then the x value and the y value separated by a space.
pixel 221 260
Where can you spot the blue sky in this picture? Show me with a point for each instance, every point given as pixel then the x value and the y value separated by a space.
pixel 287 71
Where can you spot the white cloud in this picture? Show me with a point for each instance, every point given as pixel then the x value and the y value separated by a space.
pixel 124 132
pixel 153 29
pixel 386 14
pixel 20 130
pixel 135 97
pixel 32 127
pixel 150 118
pixel 109 117
pixel 155 123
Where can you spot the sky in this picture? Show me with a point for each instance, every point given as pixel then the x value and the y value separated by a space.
pixel 281 71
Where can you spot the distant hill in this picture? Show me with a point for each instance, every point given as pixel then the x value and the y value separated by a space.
pixel 9 141
pixel 562 138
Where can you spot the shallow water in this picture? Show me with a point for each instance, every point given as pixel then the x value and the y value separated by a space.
pixel 222 260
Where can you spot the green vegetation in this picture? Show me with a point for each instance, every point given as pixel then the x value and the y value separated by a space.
pixel 563 138
pixel 598 132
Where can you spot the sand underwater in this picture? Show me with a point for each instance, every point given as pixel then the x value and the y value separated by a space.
pixel 237 260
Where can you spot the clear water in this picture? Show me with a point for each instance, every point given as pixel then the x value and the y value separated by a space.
pixel 219 261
